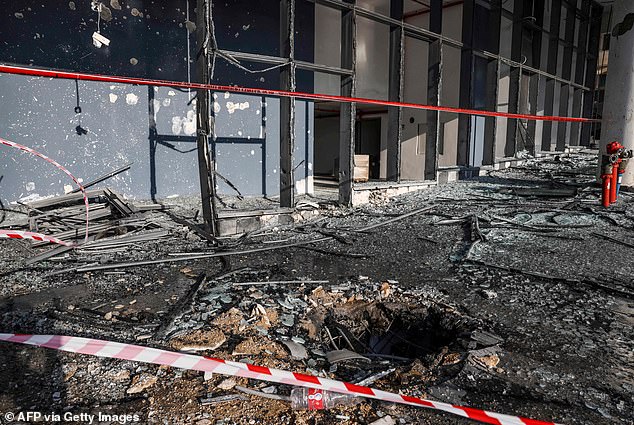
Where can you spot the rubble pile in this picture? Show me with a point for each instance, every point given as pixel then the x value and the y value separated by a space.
pixel 509 292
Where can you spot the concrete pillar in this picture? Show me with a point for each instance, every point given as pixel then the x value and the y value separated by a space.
pixel 618 108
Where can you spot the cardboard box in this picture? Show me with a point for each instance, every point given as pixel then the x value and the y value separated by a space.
pixel 361 168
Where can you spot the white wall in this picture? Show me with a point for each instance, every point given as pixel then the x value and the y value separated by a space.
pixel 373 39
pixel 327 52
pixel 415 81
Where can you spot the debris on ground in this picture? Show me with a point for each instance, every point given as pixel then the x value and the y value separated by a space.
pixel 501 292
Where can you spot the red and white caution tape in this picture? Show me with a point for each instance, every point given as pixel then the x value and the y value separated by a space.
pixel 28 235
pixel 15 234
pixel 116 350
pixel 41 72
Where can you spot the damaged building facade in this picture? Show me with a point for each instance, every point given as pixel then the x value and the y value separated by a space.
pixel 212 212
pixel 534 57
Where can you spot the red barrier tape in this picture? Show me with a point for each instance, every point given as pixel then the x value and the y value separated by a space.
pixel 65 171
pixel 38 237
pixel 41 72
pixel 116 350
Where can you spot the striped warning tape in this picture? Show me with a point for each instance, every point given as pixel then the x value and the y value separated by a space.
pixel 15 234
pixel 116 350
pixel 42 72
pixel 29 235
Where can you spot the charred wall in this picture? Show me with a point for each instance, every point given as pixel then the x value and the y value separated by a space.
pixel 154 128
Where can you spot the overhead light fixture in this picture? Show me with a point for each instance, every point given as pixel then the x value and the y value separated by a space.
pixel 99 40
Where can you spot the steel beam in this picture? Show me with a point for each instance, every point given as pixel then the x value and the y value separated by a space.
pixel 287 104
pixel 410 30
pixel 274 60
pixel 511 148
pixel 493 78
pixel 531 125
pixel 534 87
pixel 348 110
pixel 564 97
pixel 204 122
pixel 466 89
pixel 551 68
pixel 395 93
pixel 582 43
pixel 429 36
pixel 530 69
pixel 434 90
pixel 596 13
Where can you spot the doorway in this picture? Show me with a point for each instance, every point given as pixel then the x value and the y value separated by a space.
pixel 368 142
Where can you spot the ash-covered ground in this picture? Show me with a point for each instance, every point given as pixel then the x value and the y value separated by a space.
pixel 511 292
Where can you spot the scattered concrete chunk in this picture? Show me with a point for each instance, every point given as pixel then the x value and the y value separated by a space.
pixel 141 382
pixel 298 351
pixel 385 420
pixel 344 355
pixel 200 341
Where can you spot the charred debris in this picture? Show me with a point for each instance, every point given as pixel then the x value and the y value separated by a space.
pixel 511 291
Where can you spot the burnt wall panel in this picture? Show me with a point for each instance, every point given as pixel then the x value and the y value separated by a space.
pixel 147 38
pixel 248 26
pixel 153 127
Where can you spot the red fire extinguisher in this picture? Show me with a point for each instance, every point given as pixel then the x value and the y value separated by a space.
pixel 613 166
pixel 607 167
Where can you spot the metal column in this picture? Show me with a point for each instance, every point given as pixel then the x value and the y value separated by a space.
pixel 287 104
pixel 493 78
pixel 466 91
pixel 582 43
pixel 596 13
pixel 534 87
pixel 564 97
pixel 348 110
pixel 204 122
pixel 551 68
pixel 510 149
pixel 395 93
pixel 434 89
